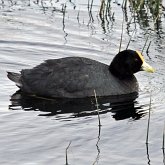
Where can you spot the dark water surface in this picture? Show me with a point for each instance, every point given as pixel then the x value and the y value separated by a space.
pixel 34 131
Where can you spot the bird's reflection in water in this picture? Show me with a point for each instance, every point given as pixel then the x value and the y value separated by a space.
pixel 121 107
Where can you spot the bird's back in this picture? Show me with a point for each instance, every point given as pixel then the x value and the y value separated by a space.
pixel 74 77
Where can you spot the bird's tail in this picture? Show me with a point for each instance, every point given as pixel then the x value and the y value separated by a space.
pixel 15 77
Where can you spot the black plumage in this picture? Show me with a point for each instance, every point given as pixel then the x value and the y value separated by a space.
pixel 78 77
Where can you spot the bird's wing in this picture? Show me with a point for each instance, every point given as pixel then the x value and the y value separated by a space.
pixel 58 77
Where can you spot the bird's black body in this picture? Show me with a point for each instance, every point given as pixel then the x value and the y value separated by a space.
pixel 78 77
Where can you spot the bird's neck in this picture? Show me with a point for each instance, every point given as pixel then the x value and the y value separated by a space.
pixel 120 74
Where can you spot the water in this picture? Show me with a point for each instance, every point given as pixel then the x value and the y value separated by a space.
pixel 38 132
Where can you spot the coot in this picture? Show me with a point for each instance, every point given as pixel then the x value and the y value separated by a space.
pixel 78 77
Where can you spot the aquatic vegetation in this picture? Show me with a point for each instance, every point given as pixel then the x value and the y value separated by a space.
pixel 142 9
pixel 147 9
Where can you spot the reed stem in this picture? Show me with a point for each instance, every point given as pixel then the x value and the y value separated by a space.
pixel 97 105
pixel 66 153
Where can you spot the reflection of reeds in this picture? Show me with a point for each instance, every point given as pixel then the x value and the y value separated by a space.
pixel 97 144
pixel 90 6
pixel 105 9
pixel 124 5
pixel 121 38
pixel 147 51
pixel 163 136
pixel 106 15
pixel 143 10
pixel 130 39
pixel 148 126
pixel 155 8
pixel 163 144
pixel 145 43
pixel 148 155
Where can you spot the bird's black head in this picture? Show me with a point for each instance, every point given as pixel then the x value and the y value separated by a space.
pixel 128 62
